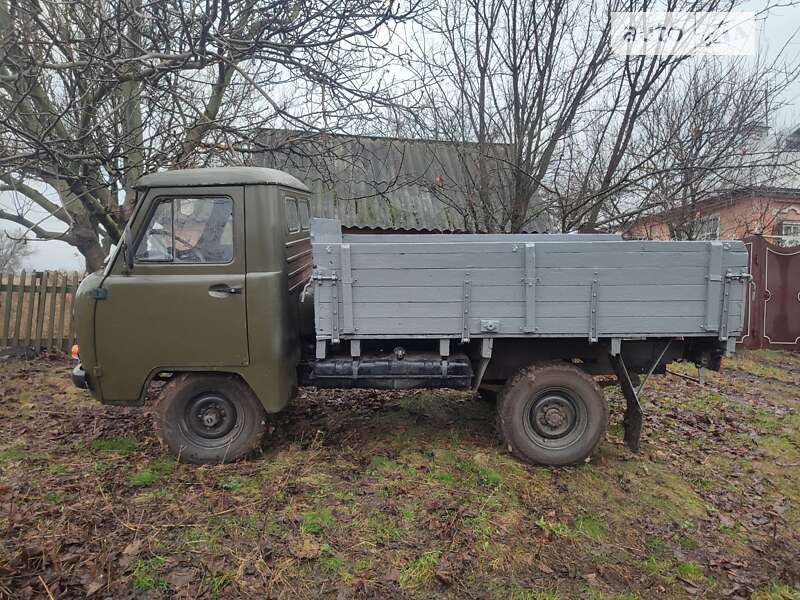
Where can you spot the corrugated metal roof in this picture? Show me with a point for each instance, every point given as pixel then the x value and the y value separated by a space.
pixel 388 182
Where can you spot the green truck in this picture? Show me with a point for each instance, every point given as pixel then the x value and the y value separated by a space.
pixel 226 292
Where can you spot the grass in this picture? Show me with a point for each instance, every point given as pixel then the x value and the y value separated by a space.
pixel 689 571
pixel 553 527
pixel 419 571
pixel 313 522
pixel 146 576
pixel 150 474
pixel 122 446
pixel 381 529
pixel 10 454
pixel 590 526
pixel 407 494
pixel 777 591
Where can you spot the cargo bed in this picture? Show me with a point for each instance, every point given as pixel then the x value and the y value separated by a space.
pixel 497 286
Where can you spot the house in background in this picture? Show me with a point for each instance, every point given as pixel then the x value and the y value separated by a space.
pixel 770 209
pixel 395 183
pixel 771 213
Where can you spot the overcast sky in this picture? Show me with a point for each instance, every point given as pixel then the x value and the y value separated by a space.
pixel 775 31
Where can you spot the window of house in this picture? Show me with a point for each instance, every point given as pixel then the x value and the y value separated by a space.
pixel 790 233
pixel 302 207
pixel 708 227
pixel 188 230
pixel 292 215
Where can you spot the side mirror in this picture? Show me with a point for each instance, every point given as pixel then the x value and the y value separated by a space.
pixel 127 238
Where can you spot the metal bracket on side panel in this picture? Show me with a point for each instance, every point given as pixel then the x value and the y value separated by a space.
pixel 355 355
pixel 593 309
pixel 444 353
pixel 465 311
pixel 726 303
pixel 335 311
pixel 347 289
pixel 487 344
pixel 529 282
pixel 713 285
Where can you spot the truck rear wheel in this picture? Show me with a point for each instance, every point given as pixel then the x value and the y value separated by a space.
pixel 552 414
pixel 206 418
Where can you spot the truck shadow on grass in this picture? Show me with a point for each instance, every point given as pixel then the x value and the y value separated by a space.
pixel 364 417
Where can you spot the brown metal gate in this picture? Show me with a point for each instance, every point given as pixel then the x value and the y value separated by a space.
pixel 772 309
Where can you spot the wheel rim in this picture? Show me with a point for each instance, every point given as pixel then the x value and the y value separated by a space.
pixel 555 418
pixel 211 420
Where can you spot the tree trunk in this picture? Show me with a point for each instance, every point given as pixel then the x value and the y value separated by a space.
pixel 89 246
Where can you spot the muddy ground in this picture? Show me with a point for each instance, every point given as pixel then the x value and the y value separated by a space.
pixel 373 494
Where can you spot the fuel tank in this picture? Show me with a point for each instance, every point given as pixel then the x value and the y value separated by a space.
pixel 389 371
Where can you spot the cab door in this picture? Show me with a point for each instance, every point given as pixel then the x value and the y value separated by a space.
pixel 182 305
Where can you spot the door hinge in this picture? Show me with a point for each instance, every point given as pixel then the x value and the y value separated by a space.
pixel 323 276
pixel 97 371
pixel 738 276
pixel 100 293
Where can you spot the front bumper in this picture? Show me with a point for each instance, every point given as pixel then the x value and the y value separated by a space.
pixel 79 377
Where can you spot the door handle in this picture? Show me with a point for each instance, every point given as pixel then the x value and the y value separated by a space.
pixel 221 290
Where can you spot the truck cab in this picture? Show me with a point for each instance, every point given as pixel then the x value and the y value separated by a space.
pixel 206 281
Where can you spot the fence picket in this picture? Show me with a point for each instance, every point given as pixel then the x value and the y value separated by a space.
pixel 40 310
pixel 61 310
pixel 7 308
pixel 29 322
pixel 52 293
pixel 18 317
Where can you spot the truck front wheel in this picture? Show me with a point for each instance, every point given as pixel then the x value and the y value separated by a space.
pixel 552 414
pixel 208 418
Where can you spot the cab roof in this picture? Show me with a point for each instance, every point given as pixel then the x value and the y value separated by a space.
pixel 220 176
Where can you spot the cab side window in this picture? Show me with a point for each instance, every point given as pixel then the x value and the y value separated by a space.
pixel 157 244
pixel 302 207
pixel 189 230
pixel 292 215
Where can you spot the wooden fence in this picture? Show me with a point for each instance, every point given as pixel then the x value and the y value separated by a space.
pixel 36 310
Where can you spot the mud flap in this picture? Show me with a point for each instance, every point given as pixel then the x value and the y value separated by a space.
pixel 633 410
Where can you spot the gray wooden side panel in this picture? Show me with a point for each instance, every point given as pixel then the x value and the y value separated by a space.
pixel 513 260
pixel 573 327
pixel 426 255
pixel 503 310
pixel 388 278
pixel 414 285
pixel 515 293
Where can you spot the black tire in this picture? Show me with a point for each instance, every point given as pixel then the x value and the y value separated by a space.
pixel 552 414
pixel 205 418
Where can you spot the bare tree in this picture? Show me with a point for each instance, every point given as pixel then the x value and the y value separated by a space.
pixel 510 76
pixel 94 95
pixel 557 123
pixel 13 250
pixel 712 137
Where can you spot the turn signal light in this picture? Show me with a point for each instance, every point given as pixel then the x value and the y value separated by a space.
pixel 74 351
